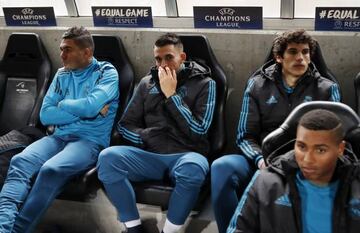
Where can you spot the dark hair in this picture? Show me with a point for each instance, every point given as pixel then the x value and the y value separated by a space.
pixel 321 119
pixel 299 36
pixel 169 39
pixel 81 37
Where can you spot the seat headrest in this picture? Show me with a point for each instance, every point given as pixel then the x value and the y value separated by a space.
pixel 24 50
pixel 197 47
pixel 349 118
pixel 24 46
pixel 110 48
pixel 287 131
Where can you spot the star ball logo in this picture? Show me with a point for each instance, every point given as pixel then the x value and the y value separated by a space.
pixel 226 11
pixel 27 11
pixel 338 24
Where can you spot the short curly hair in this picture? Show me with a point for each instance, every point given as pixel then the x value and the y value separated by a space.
pixel 299 36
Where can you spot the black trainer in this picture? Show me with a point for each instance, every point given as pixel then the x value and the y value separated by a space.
pixel 136 229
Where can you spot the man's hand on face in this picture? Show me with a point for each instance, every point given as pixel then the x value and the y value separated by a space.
pixel 168 81
pixel 104 110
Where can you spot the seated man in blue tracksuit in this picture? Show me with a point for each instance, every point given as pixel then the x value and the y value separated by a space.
pixel 280 85
pixel 81 102
pixel 167 122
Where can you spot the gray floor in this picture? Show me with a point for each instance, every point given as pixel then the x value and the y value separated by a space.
pixel 99 216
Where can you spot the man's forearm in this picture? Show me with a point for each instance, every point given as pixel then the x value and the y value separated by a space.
pixel 55 116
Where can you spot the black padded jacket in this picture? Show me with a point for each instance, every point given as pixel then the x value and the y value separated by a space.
pixel 177 124
pixel 267 103
pixel 272 204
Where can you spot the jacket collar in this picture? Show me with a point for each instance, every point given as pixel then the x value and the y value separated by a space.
pixel 286 165
pixel 273 71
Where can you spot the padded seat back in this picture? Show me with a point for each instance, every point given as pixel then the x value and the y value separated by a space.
pixel 197 48
pixel 110 48
pixel 24 78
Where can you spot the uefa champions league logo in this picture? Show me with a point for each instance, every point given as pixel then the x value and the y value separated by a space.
pixel 27 11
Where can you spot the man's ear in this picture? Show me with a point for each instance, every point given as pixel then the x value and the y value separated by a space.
pixel 341 148
pixel 278 59
pixel 183 56
pixel 88 53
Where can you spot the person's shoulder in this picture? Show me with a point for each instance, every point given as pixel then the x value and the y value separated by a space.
pixel 145 82
pixel 146 79
pixel 325 83
pixel 105 66
pixel 258 83
pixel 320 79
pixel 263 75
pixel 196 70
pixel 206 80
pixel 264 174
pixel 62 72
pixel 267 180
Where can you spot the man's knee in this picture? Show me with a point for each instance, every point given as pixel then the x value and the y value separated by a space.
pixel 50 171
pixel 110 166
pixel 109 158
pixel 17 161
pixel 191 174
pixel 229 165
pixel 220 165
pixel 22 165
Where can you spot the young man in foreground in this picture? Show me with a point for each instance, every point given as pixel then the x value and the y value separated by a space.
pixel 314 188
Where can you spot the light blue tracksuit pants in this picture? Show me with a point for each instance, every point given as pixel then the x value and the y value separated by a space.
pixel 118 165
pixel 230 175
pixel 56 160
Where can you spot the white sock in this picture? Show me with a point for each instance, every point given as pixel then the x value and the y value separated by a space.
pixel 132 223
pixel 170 227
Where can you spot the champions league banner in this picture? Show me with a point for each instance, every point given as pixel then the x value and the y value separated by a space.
pixel 29 16
pixel 337 19
pixel 122 16
pixel 228 17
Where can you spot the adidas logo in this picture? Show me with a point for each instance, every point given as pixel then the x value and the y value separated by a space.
pixel 154 90
pixel 354 209
pixel 272 100
pixel 283 200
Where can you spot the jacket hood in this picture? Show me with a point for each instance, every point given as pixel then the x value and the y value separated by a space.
pixel 272 70
pixel 190 69
pixel 286 164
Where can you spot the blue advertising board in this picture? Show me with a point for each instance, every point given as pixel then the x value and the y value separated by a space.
pixel 29 16
pixel 228 17
pixel 337 19
pixel 104 16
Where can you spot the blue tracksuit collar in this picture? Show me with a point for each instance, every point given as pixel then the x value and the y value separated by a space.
pixel 79 73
